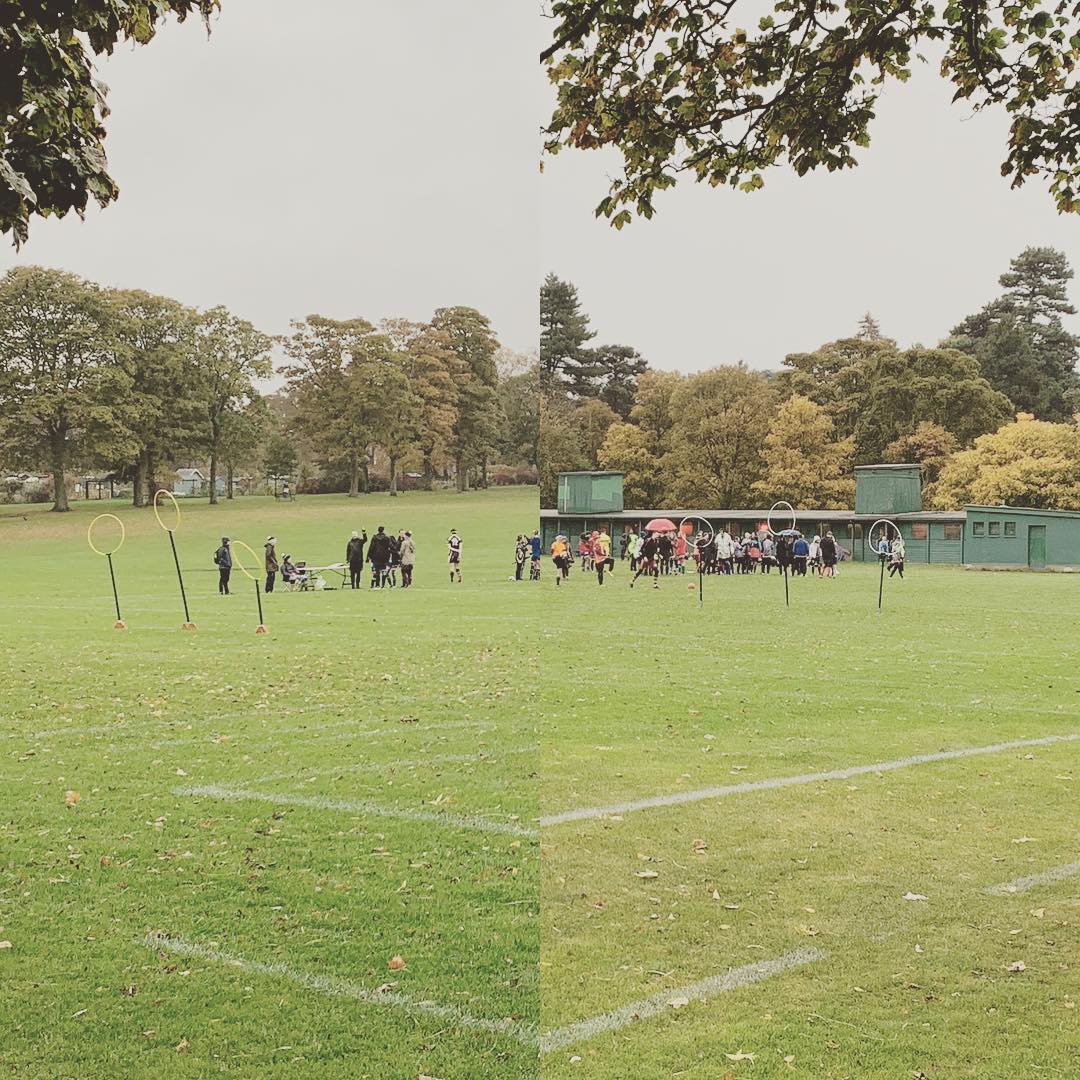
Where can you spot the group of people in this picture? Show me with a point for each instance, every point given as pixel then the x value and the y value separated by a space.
pixel 528 549
pixel 594 551
pixel 387 554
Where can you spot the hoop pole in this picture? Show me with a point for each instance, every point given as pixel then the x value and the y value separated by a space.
pixel 258 602
pixel 787 598
pixel 115 595
pixel 881 584
pixel 700 580
pixel 179 576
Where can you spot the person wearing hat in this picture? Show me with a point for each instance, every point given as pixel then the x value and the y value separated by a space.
pixel 379 557
pixel 223 558
pixel 271 563
pixel 407 558
pixel 354 556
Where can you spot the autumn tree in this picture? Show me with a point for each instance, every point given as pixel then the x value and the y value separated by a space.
pixel 560 446
pixel 473 346
pixel 627 449
pixel 930 446
pixel 805 464
pixel 653 411
pixel 65 389
pixel 681 88
pixel 52 105
pixel 1033 463
pixel 229 354
pixel 158 336
pixel 721 418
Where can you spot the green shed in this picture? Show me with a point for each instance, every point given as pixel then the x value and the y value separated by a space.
pixel 590 492
pixel 1012 537
pixel 884 490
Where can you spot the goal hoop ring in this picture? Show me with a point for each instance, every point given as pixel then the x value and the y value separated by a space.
pixel 772 510
pixel 157 510
pixel 889 525
pixel 696 544
pixel 90 535
pixel 251 551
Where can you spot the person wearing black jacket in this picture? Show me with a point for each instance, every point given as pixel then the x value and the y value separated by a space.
pixel 354 556
pixel 223 558
pixel 379 557
pixel 649 561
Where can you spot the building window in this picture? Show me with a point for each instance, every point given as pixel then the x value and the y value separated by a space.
pixel 995 528
pixel 953 532
pixel 920 530
pixel 978 528
pixel 1010 528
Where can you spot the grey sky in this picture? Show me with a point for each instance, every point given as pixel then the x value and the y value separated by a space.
pixel 918 235
pixel 346 157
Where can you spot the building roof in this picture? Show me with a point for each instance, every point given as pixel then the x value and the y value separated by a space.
pixel 762 514
pixel 877 468
pixel 190 474
pixel 1021 510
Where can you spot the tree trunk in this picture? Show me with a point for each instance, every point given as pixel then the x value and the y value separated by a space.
pixel 230 481
pixel 138 488
pixel 462 475
pixel 483 472
pixel 354 474
pixel 428 470
pixel 365 476
pixel 151 476
pixel 59 477
pixel 393 474
pixel 215 434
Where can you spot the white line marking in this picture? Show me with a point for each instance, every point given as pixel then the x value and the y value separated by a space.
pixel 677 798
pixel 359 806
pixel 333 986
pixel 490 757
pixel 560 1038
pixel 1047 877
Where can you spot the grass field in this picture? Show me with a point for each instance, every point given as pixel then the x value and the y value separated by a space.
pixel 263 824
pixel 843 927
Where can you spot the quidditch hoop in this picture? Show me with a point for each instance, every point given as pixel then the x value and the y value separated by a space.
pixel 157 510
pixel 90 535
pixel 697 543
pixel 243 568
pixel 772 510
pixel 888 525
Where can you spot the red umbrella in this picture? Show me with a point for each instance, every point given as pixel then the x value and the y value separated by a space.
pixel 661 525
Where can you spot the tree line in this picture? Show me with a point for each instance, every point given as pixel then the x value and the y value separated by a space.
pixel 989 412
pixel 129 382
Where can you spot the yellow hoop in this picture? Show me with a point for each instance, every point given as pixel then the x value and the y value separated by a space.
pixel 247 573
pixel 176 508
pixel 90 535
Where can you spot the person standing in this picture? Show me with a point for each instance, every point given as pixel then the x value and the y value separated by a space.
pixel 453 548
pixel 379 556
pixel 521 549
pixel 649 561
pixel 560 556
pixel 828 555
pixel 354 556
pixel 800 555
pixel 896 557
pixel 407 556
pixel 271 563
pixel 223 558
pixel 600 558
pixel 395 558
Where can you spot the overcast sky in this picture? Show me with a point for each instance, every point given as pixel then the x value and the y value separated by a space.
pixel 345 157
pixel 917 235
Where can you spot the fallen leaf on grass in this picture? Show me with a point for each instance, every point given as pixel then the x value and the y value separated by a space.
pixel 1025 840
pixel 679 1002
pixel 182 1046
pixel 1016 967
pixel 740 1056
pixel 648 875
pixel 915 896
pixel 700 846
pixel 396 964
pixel 1037 912
pixel 5 945
pixel 71 797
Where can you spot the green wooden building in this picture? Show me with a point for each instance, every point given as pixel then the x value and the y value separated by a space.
pixel 977 537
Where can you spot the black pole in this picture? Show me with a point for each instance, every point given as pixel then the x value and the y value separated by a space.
pixel 115 596
pixel 179 577
pixel 787 598
pixel 258 601
pixel 881 584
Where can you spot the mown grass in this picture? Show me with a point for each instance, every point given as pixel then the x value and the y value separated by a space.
pixel 645 694
pixel 409 701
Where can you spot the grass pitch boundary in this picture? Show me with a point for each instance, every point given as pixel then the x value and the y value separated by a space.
pixel 680 798
pixel 656 1004
pixel 334 986
pixel 359 806
pixel 1047 877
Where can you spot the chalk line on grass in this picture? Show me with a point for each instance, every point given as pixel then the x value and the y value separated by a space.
pixel 1047 877
pixel 678 798
pixel 333 986
pixel 560 1038
pixel 359 806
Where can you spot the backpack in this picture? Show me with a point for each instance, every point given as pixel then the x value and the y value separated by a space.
pixel 217 557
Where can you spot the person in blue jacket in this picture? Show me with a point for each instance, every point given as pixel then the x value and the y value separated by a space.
pixel 223 558
pixel 800 554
